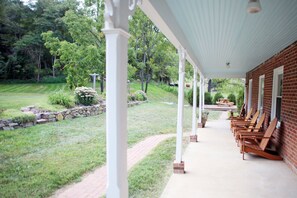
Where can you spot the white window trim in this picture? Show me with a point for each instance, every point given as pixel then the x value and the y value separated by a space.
pixel 250 94
pixel 276 72
pixel 259 92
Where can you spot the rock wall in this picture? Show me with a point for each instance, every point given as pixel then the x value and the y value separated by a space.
pixel 45 117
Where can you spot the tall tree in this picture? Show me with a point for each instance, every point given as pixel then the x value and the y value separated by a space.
pixel 80 57
pixel 144 40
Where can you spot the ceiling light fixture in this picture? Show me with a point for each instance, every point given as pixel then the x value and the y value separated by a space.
pixel 228 65
pixel 254 6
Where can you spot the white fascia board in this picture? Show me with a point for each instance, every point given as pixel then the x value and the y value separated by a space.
pixel 150 11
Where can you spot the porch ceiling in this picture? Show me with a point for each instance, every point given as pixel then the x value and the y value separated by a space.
pixel 216 32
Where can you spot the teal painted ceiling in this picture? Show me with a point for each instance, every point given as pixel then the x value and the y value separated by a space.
pixel 215 32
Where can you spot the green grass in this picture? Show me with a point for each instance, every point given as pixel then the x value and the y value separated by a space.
pixel 149 177
pixel 16 96
pixel 36 161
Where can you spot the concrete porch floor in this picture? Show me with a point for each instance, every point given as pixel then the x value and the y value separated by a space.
pixel 214 168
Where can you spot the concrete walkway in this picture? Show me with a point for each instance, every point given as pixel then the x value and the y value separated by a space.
pixel 93 185
pixel 215 169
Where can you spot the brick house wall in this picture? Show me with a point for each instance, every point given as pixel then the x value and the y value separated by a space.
pixel 286 136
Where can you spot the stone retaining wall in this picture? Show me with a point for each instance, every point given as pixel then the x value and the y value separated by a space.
pixel 45 117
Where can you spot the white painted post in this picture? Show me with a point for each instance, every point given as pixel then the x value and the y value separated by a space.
pixel 178 164
pixel 200 100
pixel 193 137
pixel 203 92
pixel 116 33
pixel 244 96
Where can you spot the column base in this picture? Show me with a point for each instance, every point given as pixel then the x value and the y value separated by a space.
pixel 200 125
pixel 179 168
pixel 193 138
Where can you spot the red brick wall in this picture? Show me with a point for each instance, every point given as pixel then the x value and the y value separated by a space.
pixel 286 135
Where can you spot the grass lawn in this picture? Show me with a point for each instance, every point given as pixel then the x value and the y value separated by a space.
pixel 15 96
pixel 36 161
pixel 149 177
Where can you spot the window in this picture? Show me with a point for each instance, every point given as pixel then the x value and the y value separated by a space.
pixel 277 93
pixel 250 95
pixel 261 94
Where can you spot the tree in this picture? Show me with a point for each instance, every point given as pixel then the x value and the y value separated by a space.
pixel 80 57
pixel 145 37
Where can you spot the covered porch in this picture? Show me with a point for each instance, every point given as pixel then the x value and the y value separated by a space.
pixel 220 40
pixel 215 168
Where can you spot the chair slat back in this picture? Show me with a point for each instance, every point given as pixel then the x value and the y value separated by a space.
pixel 255 117
pixel 242 110
pixel 248 114
pixel 260 122
pixel 268 134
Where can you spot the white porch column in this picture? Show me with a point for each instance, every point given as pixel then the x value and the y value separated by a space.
pixel 203 93
pixel 200 102
pixel 193 136
pixel 178 166
pixel 116 33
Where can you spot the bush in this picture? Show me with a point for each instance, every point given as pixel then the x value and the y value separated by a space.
pixel 140 95
pixel 17 116
pixel 190 97
pixel 131 97
pixel 170 89
pixel 217 96
pixel 28 117
pixel 86 96
pixel 240 99
pixel 207 98
pixel 232 98
pixel 60 98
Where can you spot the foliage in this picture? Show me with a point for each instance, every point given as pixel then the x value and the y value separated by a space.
pixel 27 117
pixel 232 98
pixel 22 51
pixel 61 98
pixel 80 57
pixel 140 95
pixel 153 56
pixel 148 178
pixel 190 97
pixel 207 98
pixel 240 98
pixel 131 97
pixel 217 96
pixel 17 116
pixel 86 96
pixel 170 89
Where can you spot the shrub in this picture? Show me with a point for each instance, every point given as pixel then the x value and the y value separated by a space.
pixel 217 96
pixel 131 97
pixel 232 98
pixel 18 116
pixel 240 99
pixel 170 89
pixel 140 95
pixel 86 96
pixel 190 97
pixel 25 118
pixel 207 98
pixel 60 98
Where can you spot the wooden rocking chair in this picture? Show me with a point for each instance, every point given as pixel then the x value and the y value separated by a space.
pixel 251 130
pixel 260 148
pixel 241 114
pixel 245 124
pixel 247 117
